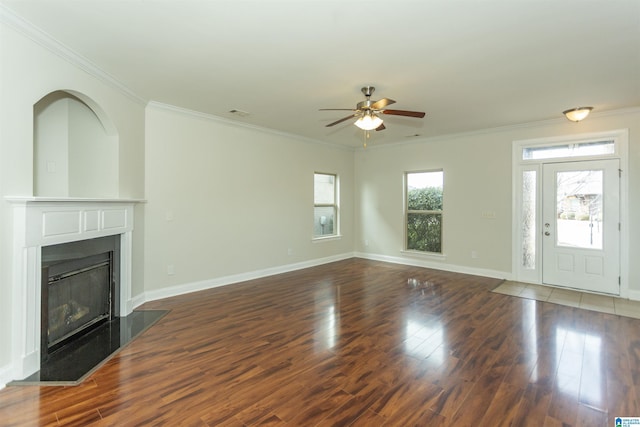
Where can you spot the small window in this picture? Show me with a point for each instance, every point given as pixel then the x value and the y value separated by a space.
pixel 423 219
pixel 528 219
pixel 325 205
pixel 581 149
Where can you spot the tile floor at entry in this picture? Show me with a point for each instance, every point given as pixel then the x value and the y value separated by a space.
pixel 571 298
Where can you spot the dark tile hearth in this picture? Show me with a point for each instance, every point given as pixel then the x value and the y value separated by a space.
pixel 71 364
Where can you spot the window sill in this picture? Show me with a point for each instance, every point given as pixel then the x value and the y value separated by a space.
pixel 326 238
pixel 428 255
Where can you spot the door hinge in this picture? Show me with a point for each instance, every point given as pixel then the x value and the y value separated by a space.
pixel 619 226
pixel 619 281
pixel 620 173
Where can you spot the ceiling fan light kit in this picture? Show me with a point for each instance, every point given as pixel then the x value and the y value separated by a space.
pixel 577 114
pixel 368 122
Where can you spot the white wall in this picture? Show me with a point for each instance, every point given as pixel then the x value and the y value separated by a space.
pixel 477 174
pixel 29 71
pixel 226 200
pixel 93 155
pixel 51 149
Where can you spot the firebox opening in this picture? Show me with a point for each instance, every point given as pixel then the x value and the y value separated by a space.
pixel 80 287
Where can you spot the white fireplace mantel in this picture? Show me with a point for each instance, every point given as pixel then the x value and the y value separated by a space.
pixel 38 222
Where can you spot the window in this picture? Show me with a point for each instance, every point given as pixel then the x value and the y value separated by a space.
pixel 528 218
pixel 580 149
pixel 325 205
pixel 423 193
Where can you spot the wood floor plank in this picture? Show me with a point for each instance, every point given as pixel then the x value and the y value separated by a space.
pixel 359 343
pixel 533 406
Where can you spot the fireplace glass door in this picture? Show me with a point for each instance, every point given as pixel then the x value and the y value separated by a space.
pixel 79 295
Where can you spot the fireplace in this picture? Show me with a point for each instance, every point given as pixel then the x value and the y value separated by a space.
pixel 80 287
pixel 43 228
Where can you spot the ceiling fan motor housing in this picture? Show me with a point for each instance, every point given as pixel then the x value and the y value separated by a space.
pixel 364 105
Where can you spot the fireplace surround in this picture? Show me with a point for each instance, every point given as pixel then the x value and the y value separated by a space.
pixel 39 224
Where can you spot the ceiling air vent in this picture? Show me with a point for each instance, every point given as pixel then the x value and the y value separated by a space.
pixel 239 113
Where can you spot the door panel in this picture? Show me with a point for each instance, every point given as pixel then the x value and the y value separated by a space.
pixel 581 211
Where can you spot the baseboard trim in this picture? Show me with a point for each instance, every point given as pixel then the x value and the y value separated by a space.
pixel 494 274
pixel 235 278
pixel 634 295
pixel 5 376
pixel 135 302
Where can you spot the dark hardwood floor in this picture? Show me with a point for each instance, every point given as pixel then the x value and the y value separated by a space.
pixel 357 343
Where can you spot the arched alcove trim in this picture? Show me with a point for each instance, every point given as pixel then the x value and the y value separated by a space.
pixel 108 125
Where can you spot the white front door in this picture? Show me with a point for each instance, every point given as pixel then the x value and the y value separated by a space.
pixel 580 225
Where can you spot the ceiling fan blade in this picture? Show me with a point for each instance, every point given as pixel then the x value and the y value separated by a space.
pixel 418 114
pixel 341 120
pixel 381 127
pixel 379 105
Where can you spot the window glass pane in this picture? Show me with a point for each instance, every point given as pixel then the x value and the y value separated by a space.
pixel 529 220
pixel 424 191
pixel 325 210
pixel 424 232
pixel 579 209
pixel 324 189
pixel 324 219
pixel 569 150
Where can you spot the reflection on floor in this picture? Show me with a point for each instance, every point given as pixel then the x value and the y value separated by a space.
pixel 571 298
pixel 71 364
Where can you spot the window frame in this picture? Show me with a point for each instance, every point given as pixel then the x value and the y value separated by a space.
pixel 408 211
pixel 335 205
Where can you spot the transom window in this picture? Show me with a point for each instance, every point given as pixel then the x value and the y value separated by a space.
pixel 423 211
pixel 579 149
pixel 325 204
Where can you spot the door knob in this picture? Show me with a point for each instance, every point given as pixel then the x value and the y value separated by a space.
pixel 546 233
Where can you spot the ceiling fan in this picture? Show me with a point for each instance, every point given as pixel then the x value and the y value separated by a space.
pixel 367 112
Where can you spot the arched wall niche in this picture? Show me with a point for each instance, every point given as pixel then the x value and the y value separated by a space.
pixel 75 148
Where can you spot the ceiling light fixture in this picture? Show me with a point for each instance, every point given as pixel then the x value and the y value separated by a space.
pixel 577 114
pixel 368 121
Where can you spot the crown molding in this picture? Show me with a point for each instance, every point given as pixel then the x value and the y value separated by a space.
pixel 35 34
pixel 500 129
pixel 223 120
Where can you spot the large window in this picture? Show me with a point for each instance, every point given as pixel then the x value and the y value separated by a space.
pixel 325 205
pixel 423 193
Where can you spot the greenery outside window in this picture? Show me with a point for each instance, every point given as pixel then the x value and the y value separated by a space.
pixel 325 205
pixel 423 219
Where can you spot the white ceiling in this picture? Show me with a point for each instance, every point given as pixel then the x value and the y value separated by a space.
pixel 470 65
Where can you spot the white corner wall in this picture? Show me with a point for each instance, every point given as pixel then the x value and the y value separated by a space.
pixel 227 202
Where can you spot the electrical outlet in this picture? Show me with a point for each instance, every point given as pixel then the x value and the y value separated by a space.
pixel 289 251
pixel 171 270
pixel 474 254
